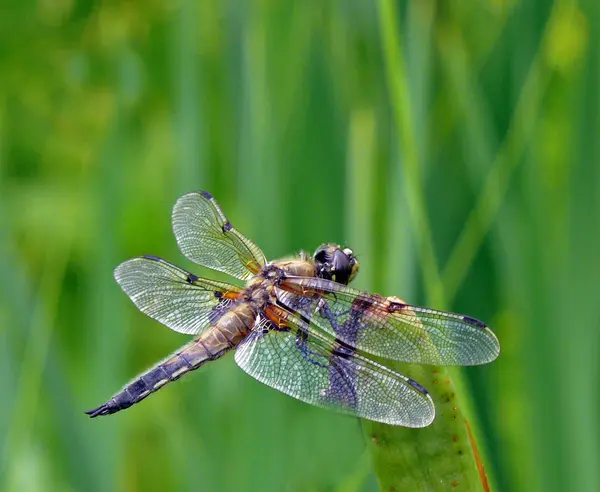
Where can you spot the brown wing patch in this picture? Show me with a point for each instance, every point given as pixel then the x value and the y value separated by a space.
pixel 379 307
pixel 387 326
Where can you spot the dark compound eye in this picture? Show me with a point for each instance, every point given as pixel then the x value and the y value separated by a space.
pixel 342 267
pixel 334 263
pixel 322 255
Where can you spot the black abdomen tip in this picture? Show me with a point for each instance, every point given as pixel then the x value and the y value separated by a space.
pixel 105 409
pixel 119 402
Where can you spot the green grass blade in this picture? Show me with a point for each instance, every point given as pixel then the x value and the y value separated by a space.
pixel 397 82
pixel 510 155
pixel 408 459
pixel 18 443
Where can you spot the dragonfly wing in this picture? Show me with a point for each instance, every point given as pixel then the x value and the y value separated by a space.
pixel 388 327
pixel 206 237
pixel 177 298
pixel 299 362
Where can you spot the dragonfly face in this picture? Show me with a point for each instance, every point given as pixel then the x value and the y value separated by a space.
pixel 296 326
pixel 332 262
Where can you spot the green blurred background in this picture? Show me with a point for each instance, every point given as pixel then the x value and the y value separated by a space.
pixel 455 146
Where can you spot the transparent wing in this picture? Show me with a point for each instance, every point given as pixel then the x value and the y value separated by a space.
pixel 388 327
pixel 300 363
pixel 176 298
pixel 206 237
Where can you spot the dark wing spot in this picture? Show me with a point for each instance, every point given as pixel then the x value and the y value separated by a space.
pixel 363 302
pixel 343 351
pixel 191 278
pixel 343 345
pixel 218 294
pixel 416 385
pixel 396 306
pixel 152 257
pixel 473 321
pixel 206 195
pixel 227 226
pixel 302 335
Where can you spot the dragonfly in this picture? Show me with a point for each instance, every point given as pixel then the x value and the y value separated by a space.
pixel 296 326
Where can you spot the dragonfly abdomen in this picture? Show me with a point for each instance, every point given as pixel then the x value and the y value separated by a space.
pixel 189 358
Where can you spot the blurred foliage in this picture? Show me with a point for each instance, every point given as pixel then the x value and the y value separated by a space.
pixel 468 180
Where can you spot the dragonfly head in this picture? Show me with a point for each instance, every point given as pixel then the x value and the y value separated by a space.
pixel 335 263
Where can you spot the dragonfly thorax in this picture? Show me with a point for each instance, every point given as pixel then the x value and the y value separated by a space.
pixel 259 293
pixel 279 270
pixel 261 288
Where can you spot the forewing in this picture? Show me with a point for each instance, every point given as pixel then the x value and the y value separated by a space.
pixel 206 237
pixel 176 298
pixel 389 328
pixel 300 363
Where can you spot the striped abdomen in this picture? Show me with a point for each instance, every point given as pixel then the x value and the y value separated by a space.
pixel 230 330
